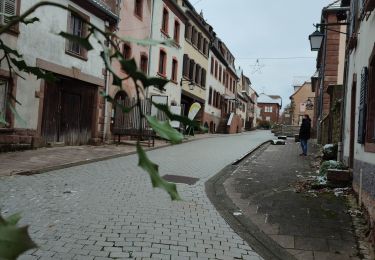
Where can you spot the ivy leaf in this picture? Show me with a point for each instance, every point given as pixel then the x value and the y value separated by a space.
pixel 165 130
pixel 153 170
pixel 13 240
pixel 84 42
pixel 31 20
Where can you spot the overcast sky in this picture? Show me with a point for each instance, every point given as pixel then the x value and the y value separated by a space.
pixel 267 29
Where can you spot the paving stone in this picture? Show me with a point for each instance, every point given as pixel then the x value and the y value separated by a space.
pixel 114 199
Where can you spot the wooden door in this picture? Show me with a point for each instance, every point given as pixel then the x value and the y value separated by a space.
pixel 70 118
pixel 51 110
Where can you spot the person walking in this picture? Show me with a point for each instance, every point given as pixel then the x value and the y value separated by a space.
pixel 304 134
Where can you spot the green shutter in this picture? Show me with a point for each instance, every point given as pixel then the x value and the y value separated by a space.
pixel 363 106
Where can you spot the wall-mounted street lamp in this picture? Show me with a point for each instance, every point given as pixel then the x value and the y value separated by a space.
pixel 191 83
pixel 309 104
pixel 316 38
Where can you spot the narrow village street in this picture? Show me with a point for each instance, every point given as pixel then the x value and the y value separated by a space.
pixel 109 209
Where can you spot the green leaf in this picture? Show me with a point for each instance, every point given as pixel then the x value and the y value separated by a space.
pixel 17 116
pixel 153 170
pixel 8 50
pixel 31 20
pixel 165 130
pixel 114 103
pixel 84 42
pixel 173 117
pixel 117 81
pixel 156 82
pixel 40 74
pixel 13 219
pixel 13 240
pixel 148 42
pixel 129 66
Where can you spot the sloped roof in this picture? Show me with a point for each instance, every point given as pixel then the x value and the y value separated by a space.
pixel 105 8
pixel 263 98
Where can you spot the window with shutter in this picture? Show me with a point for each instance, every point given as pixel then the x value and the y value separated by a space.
pixel 186 66
pixel 7 8
pixel 362 106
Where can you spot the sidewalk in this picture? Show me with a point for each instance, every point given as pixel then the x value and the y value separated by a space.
pixel 46 159
pixel 264 198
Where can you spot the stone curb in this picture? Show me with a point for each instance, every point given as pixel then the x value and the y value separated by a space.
pixel 242 225
pixel 98 159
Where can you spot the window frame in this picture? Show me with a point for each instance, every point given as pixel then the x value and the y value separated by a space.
pixel 176 31
pixel 142 67
pixel 138 12
pixel 165 21
pixel 370 119
pixel 162 63
pixel 85 20
pixel 174 73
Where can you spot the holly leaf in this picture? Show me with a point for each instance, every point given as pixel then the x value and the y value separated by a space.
pixel 13 240
pixel 13 219
pixel 40 74
pixel 183 119
pixel 153 170
pixel 30 20
pixel 165 130
pixel 156 82
pixel 84 42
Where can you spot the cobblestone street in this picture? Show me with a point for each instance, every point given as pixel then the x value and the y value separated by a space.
pixel 109 209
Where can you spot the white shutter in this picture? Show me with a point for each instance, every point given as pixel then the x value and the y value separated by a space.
pixel 7 8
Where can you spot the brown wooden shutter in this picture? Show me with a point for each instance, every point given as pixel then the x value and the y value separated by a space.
pixel 363 106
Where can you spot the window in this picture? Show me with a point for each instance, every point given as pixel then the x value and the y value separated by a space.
pixel 77 28
pixel 127 51
pixel 192 70
pixel 188 32
pixel 220 71
pixel 144 63
pixel 186 66
pixel 3 101
pixel 212 65
pixel 370 138
pixel 198 74
pixel 174 70
pixel 164 22
pixel 210 96
pixel 199 41
pixel 7 8
pixel 176 34
pixel 268 118
pixel 203 78
pixel 138 8
pixel 162 63
pixel 214 99
pixel 216 67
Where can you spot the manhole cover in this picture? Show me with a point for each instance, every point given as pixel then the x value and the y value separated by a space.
pixel 180 179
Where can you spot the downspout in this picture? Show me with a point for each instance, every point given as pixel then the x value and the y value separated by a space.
pixel 321 98
pixel 106 105
pixel 150 47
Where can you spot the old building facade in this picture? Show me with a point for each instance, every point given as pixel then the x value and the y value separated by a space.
pixel 303 103
pixel 269 108
pixel 67 110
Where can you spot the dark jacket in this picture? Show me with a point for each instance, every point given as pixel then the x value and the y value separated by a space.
pixel 304 131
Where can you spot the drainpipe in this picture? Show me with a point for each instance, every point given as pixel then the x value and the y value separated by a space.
pixel 321 98
pixel 150 47
pixel 106 106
